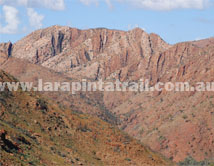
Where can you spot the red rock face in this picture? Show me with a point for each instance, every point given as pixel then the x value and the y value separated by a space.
pixel 177 124
pixel 6 48
pixel 105 53
pixel 5 51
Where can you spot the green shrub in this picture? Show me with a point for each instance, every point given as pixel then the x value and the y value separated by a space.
pixel 189 161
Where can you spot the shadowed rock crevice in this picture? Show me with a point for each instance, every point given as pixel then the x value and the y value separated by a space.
pixel 53 51
pixel 37 56
pixel 6 48
pixel 6 144
pixel 87 56
pixel 10 47
pixel 60 41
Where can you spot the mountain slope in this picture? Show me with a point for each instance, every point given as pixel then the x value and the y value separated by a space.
pixel 88 103
pixel 35 131
pixel 177 124
pixel 93 53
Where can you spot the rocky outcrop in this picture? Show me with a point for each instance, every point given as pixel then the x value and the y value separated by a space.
pixel 178 125
pixel 6 144
pixel 70 50
pixel 6 48
pixel 5 51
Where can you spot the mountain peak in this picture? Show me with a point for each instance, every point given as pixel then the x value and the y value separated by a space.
pixel 137 29
pixel 65 49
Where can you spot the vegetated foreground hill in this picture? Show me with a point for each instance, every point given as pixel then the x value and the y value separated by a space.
pixel 179 125
pixel 89 103
pixel 34 131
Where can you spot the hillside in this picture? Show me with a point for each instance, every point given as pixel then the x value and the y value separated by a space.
pixel 180 125
pixel 92 54
pixel 82 102
pixel 35 131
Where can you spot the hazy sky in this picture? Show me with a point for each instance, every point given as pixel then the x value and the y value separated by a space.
pixel 174 20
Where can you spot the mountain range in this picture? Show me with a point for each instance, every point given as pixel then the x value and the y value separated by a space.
pixel 177 125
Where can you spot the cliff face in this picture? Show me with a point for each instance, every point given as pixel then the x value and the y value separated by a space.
pixel 178 125
pixel 6 48
pixel 5 51
pixel 105 53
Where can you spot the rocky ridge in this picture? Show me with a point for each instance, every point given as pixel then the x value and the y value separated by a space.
pixel 166 121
